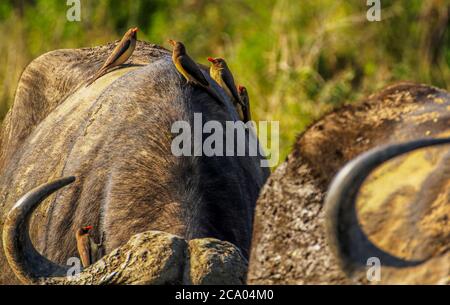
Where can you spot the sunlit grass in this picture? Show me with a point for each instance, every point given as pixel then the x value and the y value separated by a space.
pixel 298 59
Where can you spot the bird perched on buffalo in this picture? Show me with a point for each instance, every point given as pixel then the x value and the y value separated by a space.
pixel 220 72
pixel 119 55
pixel 189 68
pixel 243 95
pixel 89 251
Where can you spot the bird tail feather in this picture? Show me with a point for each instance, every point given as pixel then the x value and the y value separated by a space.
pixel 99 74
pixel 213 94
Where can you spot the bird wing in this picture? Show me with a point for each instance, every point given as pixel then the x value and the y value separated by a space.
pixel 94 250
pixel 84 251
pixel 118 51
pixel 228 79
pixel 192 69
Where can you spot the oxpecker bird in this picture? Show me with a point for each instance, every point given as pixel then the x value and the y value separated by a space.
pixel 119 55
pixel 243 94
pixel 220 72
pixel 189 68
pixel 88 250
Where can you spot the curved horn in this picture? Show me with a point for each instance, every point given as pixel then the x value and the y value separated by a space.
pixel 347 241
pixel 26 262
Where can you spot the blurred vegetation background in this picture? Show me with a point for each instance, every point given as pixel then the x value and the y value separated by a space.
pixel 298 59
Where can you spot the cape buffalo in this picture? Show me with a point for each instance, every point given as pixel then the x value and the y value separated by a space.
pixel 402 211
pixel 115 138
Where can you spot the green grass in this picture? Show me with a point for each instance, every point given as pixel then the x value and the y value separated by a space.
pixel 298 59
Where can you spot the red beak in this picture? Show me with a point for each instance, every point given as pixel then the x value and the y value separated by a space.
pixel 210 59
pixel 88 228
